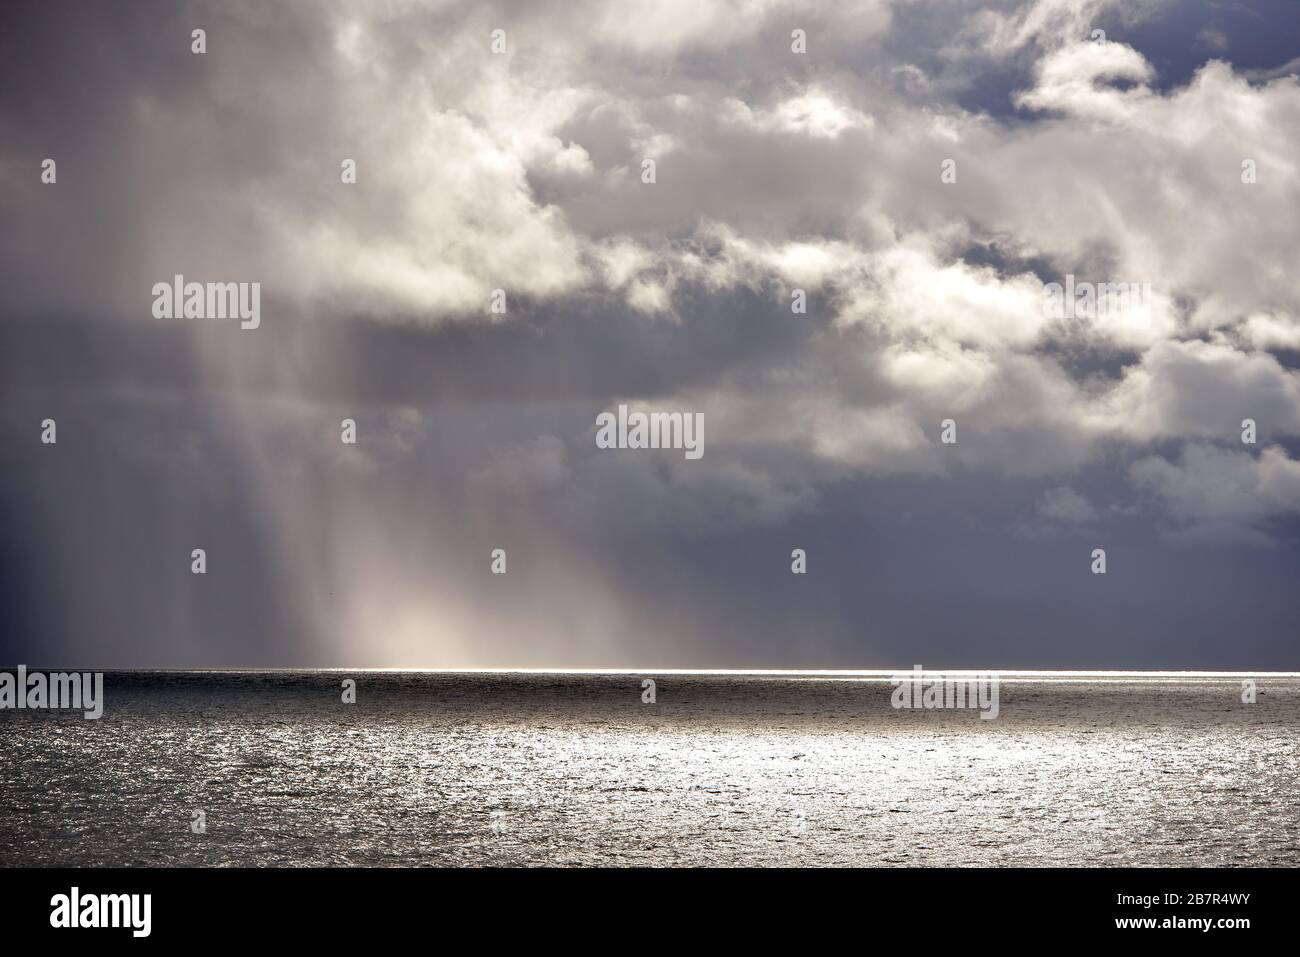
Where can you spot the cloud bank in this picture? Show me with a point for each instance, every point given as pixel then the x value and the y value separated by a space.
pixel 915 176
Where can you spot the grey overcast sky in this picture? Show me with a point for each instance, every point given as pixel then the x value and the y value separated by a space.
pixel 1123 160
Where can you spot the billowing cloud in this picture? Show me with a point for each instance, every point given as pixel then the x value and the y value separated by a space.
pixel 1212 492
pixel 840 250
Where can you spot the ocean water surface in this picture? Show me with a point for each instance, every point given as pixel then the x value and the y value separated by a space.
pixel 723 769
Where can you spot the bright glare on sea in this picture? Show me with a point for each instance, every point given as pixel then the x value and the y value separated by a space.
pixel 573 769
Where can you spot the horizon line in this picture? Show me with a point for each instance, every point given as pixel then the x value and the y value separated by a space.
pixel 791 672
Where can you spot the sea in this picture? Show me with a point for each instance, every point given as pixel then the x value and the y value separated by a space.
pixel 275 769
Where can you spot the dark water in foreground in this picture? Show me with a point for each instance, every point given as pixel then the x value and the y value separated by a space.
pixel 473 769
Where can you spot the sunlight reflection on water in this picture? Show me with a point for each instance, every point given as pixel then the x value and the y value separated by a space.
pixel 483 768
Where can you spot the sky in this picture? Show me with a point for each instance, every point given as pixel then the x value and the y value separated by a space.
pixel 919 173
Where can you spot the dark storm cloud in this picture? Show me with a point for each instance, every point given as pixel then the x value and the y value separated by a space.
pixel 776 172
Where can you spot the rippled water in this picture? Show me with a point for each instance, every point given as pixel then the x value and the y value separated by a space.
pixel 475 769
